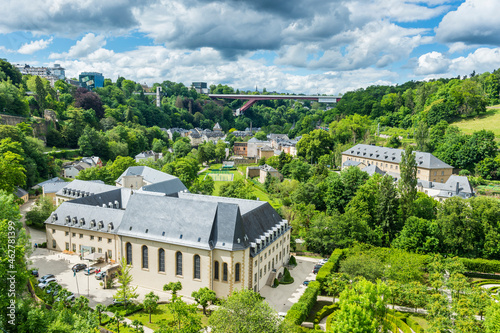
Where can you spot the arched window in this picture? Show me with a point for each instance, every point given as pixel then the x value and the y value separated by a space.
pixel 224 272
pixel 237 272
pixel 129 253
pixel 145 257
pixel 216 270
pixel 161 260
pixel 178 263
pixel 197 267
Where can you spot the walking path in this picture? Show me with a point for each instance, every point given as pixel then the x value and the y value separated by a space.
pixel 129 322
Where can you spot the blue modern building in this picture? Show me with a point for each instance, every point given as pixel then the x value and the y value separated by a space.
pixel 91 80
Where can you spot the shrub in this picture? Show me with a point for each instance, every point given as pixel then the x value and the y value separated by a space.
pixel 401 325
pixel 292 261
pixel 300 310
pixel 276 283
pixel 331 266
pixel 414 325
pixel 481 265
pixel 325 311
pixel 287 278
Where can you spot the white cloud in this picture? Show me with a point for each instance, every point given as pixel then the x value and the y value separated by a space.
pixel 6 50
pixel 87 45
pixel 376 43
pixel 152 64
pixel 474 22
pixel 432 63
pixel 481 60
pixel 34 46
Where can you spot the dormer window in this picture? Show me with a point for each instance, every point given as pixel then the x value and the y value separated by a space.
pixel 54 217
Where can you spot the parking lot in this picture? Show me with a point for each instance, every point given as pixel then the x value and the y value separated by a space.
pixel 59 264
pixel 284 296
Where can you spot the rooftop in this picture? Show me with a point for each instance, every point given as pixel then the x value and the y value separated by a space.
pixel 423 159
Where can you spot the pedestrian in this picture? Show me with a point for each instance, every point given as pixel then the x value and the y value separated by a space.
pixel 36 245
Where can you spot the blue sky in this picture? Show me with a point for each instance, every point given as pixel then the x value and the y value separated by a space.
pixel 301 46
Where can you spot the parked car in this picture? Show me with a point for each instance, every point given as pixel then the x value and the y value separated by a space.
pixel 323 261
pixel 100 275
pixel 79 267
pixel 317 268
pixel 70 298
pixel 34 272
pixel 89 271
pixel 44 284
pixel 306 282
pixel 45 277
pixel 53 288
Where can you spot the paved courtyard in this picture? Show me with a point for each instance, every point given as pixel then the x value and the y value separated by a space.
pixel 282 297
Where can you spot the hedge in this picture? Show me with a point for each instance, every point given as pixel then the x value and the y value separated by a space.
pixel 485 282
pixel 414 325
pixel 332 265
pixel 401 325
pixel 481 265
pixel 300 310
pixel 325 311
pixel 482 275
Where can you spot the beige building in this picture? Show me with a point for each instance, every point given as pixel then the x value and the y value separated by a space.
pixel 429 167
pixel 224 244
pixel 262 171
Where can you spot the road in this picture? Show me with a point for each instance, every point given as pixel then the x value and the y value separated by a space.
pixel 284 296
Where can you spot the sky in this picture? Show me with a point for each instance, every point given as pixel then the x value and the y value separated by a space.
pixel 297 46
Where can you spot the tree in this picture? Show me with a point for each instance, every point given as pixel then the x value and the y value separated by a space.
pixel 237 189
pixel 387 208
pixel 186 168
pixel 220 150
pixel 315 144
pixel 362 308
pixel 125 291
pixel 174 287
pixel 86 99
pixel 93 143
pixel 408 183
pixel 422 137
pixel 181 148
pixel 492 318
pixel 40 212
pixel 14 249
pixel 418 235
pixel 362 265
pixel 100 309
pixel 120 165
pixel 12 171
pixel 203 296
pixel 185 318
pixel 150 303
pixel 244 311
pixel 336 283
pixel 205 186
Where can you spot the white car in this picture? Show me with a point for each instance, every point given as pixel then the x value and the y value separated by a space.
pixel 44 284
pixel 323 261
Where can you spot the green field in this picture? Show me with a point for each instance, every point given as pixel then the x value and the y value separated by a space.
pixel 489 121
pixel 257 189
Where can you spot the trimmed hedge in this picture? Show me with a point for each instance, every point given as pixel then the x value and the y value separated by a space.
pixel 401 325
pixel 332 265
pixel 485 282
pixel 300 310
pixel 481 265
pixel 325 311
pixel 482 275
pixel 414 325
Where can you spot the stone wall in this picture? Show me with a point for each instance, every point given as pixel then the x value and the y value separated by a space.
pixel 40 126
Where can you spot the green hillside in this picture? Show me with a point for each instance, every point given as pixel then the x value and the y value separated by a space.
pixel 489 121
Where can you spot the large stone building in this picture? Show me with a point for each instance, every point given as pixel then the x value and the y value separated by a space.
pixel 429 167
pixel 224 244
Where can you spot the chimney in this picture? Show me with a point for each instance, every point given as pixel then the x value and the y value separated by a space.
pixel 458 187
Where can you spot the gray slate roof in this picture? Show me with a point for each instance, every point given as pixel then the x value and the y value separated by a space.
pixel 52 180
pixel 149 175
pixel 424 160
pixel 454 186
pixel 351 163
pixel 20 192
pixel 75 210
pixel 372 169
pixel 53 187
pixel 90 187
pixel 117 197
pixel 168 187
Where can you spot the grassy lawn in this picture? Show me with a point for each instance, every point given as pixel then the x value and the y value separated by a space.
pixel 259 192
pixel 160 316
pixel 421 321
pixel 489 121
